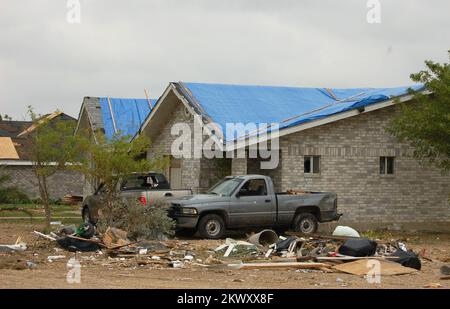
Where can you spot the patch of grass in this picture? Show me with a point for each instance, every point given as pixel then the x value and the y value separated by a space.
pixel 36 212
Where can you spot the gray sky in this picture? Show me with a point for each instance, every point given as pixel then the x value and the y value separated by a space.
pixel 122 47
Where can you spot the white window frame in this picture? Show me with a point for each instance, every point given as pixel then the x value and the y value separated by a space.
pixel 385 172
pixel 312 158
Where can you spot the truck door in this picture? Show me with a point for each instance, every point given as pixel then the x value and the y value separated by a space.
pixel 252 205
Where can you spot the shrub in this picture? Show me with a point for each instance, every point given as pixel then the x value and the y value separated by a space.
pixel 11 195
pixel 141 222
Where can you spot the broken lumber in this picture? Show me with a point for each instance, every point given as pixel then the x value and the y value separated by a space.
pixel 354 258
pixel 88 240
pixel 296 265
pixel 362 267
pixel 45 236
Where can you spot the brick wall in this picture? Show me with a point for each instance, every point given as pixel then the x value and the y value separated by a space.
pixel 60 184
pixel 414 197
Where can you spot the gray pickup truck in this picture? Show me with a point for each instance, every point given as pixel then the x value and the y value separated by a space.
pixel 147 188
pixel 243 202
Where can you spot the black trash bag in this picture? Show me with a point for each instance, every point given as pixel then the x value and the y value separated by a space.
pixel 74 245
pixel 358 247
pixel 284 244
pixel 407 259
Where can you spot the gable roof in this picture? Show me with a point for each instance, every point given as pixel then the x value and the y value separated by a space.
pixel 17 132
pixel 115 115
pixel 287 106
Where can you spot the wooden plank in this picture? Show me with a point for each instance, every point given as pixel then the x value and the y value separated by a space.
pixel 296 265
pixel 354 258
pixel 361 268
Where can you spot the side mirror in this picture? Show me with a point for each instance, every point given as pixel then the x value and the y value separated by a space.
pixel 238 195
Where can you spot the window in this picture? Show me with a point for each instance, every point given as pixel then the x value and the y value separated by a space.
pixel 254 187
pixel 387 165
pixel 312 164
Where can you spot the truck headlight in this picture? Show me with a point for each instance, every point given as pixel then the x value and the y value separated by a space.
pixel 188 211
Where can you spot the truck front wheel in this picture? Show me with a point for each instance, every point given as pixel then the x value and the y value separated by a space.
pixel 306 223
pixel 211 226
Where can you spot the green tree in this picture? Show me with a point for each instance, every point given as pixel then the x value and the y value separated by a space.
pixel 52 146
pixel 107 161
pixel 425 124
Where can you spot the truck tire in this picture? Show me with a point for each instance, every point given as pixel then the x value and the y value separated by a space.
pixel 211 226
pixel 87 216
pixel 306 223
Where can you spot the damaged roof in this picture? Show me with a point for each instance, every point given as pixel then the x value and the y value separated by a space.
pixel 287 106
pixel 116 115
pixel 15 134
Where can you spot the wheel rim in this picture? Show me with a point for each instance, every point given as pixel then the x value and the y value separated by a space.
pixel 306 226
pixel 213 227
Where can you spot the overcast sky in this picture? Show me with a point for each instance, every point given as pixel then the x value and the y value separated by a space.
pixel 122 47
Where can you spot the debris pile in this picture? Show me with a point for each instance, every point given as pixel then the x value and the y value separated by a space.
pixel 263 250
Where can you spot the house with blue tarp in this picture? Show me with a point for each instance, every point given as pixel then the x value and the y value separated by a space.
pixel 111 117
pixel 316 139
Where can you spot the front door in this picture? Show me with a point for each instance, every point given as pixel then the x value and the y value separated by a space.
pixel 252 205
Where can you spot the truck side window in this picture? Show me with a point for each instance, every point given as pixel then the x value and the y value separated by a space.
pixel 254 187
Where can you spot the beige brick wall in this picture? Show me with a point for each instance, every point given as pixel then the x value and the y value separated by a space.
pixel 197 174
pixel 59 184
pixel 416 196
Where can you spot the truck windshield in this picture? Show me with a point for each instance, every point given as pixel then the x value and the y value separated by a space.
pixel 225 187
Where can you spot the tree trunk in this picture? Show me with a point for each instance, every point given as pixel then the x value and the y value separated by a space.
pixel 43 192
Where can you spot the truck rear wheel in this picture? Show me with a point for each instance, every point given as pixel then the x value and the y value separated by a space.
pixel 87 216
pixel 306 223
pixel 211 226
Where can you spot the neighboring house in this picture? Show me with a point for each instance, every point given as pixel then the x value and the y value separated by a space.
pixel 111 116
pixel 15 160
pixel 330 140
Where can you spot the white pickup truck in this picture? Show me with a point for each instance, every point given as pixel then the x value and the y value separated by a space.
pixel 148 188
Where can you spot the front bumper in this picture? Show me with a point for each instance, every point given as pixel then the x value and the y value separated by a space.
pixel 328 216
pixel 186 222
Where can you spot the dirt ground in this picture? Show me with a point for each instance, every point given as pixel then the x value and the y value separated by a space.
pixel 97 271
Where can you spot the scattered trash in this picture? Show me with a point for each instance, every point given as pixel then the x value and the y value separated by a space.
pixel 407 259
pixel 238 248
pixel 73 245
pixel 177 264
pixel 143 251
pixel 445 270
pixel 55 257
pixel 264 238
pixel 115 237
pixel 358 247
pixel 85 230
pixel 13 248
pixel 433 286
pixel 31 265
pixel 339 280
pixel 402 246
pixel 297 265
pixel 45 236
pixel 188 257
pixel 360 268
pixel 345 231
pixel 56 223
pixel 157 258
pixel 238 280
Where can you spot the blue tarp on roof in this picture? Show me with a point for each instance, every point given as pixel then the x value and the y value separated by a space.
pixel 129 114
pixel 287 106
